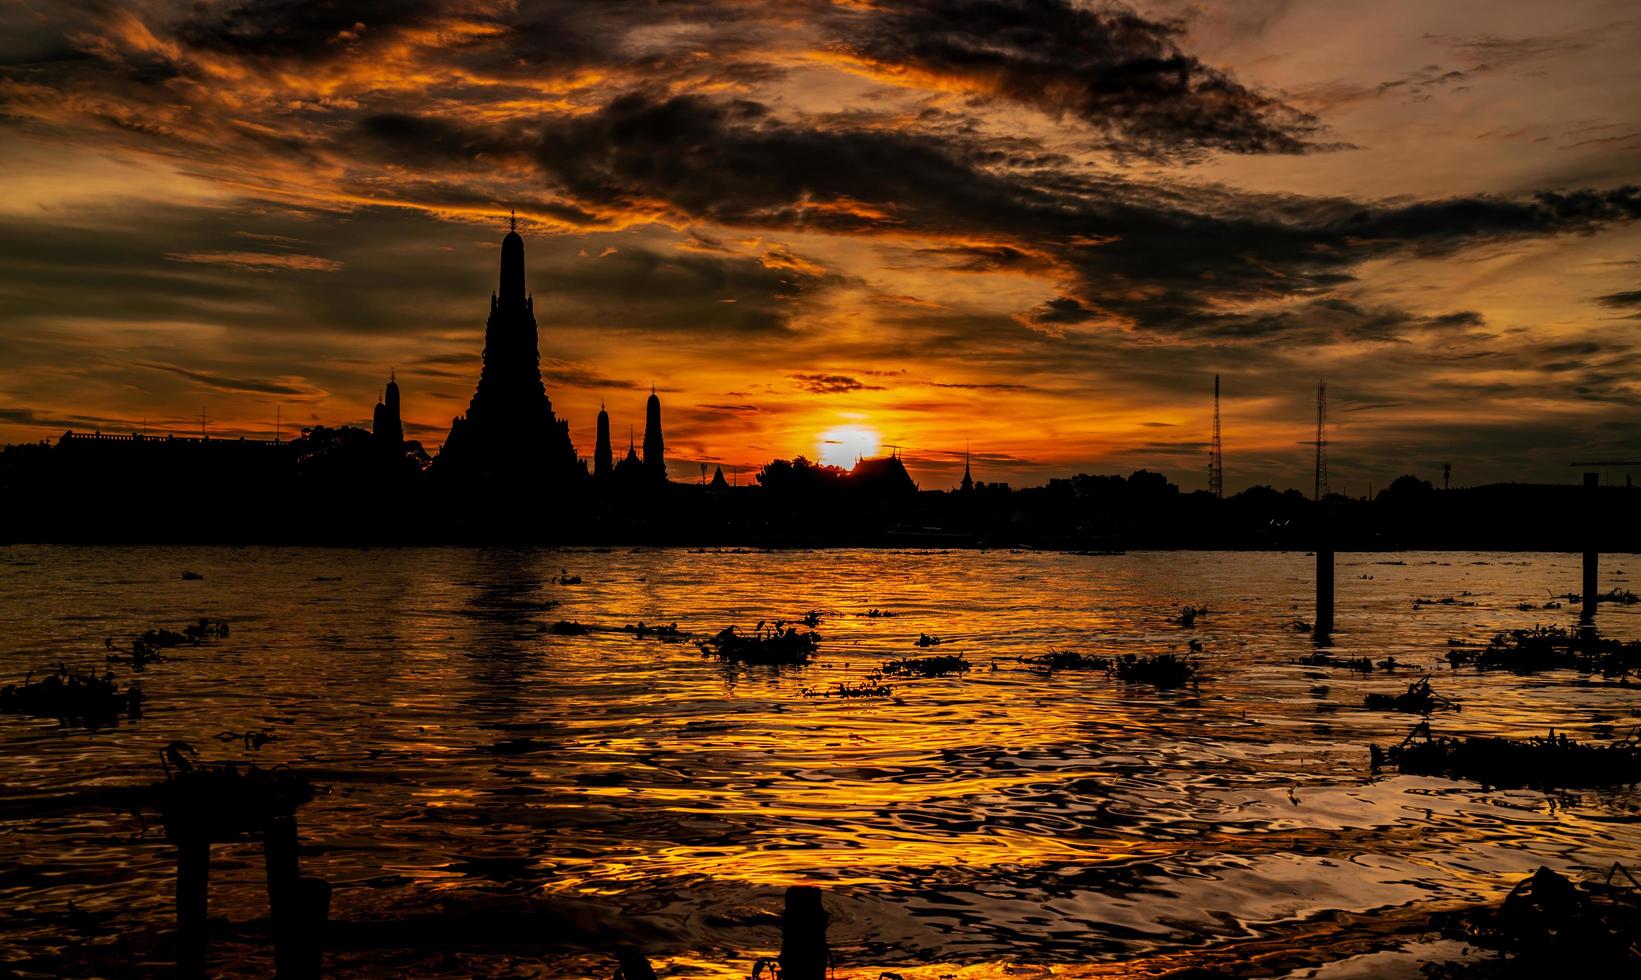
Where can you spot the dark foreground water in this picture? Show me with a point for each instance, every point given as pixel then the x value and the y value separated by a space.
pixel 489 786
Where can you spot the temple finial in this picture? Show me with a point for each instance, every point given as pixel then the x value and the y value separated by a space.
pixel 513 219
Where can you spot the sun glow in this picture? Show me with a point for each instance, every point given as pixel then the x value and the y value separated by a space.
pixel 846 443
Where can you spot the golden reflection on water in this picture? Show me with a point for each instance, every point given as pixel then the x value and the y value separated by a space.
pixel 980 825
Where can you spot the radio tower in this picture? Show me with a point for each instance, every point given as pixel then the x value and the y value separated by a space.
pixel 1216 453
pixel 1321 439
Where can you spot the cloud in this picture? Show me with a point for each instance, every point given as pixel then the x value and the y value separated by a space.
pixel 291 387
pixel 259 261
pixel 1628 300
pixel 1124 76
pixel 831 384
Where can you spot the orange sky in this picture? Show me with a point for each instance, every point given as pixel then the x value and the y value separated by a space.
pixel 1038 229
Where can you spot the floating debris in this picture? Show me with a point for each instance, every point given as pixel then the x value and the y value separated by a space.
pixel 253 740
pixel 566 628
pixel 877 613
pixel 1553 761
pixel 925 640
pixel 1067 660
pixel 205 629
pixel 1418 699
pixel 1188 615
pixel 1319 659
pixel 69 696
pixel 1162 669
pixel 1528 651
pixel 938 666
pixel 1446 601
pixel 669 632
pixel 1300 626
pixel 1623 597
pixel 778 645
pixel 191 576
pixel 567 579
pixel 1549 926
pixel 865 689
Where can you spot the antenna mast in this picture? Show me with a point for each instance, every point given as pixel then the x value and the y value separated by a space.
pixel 1321 439
pixel 1216 453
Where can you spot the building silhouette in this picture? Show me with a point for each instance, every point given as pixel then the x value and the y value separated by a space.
pixel 386 425
pixel 603 460
pixel 510 430
pixel 631 469
pixel 967 486
pixel 655 455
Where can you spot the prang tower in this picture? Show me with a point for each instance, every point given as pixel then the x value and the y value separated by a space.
pixel 510 429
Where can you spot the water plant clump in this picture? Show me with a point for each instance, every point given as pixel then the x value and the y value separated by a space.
pixel 1188 615
pixel 1550 926
pixel 1551 761
pixel 1067 660
pixel 1540 648
pixel 876 613
pixel 71 696
pixel 776 645
pixel 1165 670
pixel 926 640
pixel 666 632
pixel 1444 601
pixel 205 629
pixel 936 666
pixel 1319 659
pixel 223 800
pixel 1418 699
pixel 565 627
pixel 812 618
pixel 868 688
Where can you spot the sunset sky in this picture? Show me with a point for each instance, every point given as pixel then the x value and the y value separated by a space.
pixel 1038 227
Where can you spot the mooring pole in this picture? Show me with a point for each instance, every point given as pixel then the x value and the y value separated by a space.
pixel 298 907
pixel 1592 557
pixel 1324 586
pixel 804 955
pixel 193 876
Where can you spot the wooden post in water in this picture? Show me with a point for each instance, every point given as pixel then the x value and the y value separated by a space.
pixel 193 876
pixel 804 955
pixel 1324 590
pixel 1592 556
pixel 298 907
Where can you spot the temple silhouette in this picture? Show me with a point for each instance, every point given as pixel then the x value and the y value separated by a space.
pixel 510 433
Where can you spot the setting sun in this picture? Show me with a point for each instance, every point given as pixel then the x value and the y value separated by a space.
pixel 845 444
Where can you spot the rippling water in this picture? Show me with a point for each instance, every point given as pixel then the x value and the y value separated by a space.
pixel 488 783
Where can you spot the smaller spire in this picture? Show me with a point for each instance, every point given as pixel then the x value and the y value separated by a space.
pixel 392 375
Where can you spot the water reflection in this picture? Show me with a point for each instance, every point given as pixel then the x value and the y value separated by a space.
pixel 484 767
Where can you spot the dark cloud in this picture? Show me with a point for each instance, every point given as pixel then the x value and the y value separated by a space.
pixel 1166 257
pixel 831 384
pixel 1628 300
pixel 250 386
pixel 570 374
pixel 1116 71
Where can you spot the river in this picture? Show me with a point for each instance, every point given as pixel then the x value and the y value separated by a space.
pixel 485 782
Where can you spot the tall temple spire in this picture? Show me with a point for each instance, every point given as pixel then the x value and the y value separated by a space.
pixel 386 425
pixel 512 267
pixel 655 454
pixel 968 481
pixel 603 458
